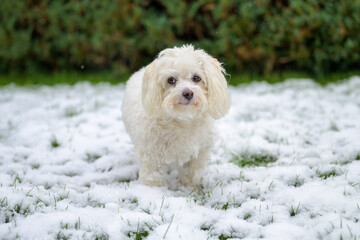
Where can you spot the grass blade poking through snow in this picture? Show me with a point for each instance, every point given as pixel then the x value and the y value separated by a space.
pixel 168 226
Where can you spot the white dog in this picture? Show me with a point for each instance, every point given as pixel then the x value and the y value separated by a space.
pixel 168 111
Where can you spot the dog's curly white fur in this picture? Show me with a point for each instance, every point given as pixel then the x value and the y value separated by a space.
pixel 168 110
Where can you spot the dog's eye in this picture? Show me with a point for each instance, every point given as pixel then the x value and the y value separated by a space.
pixel 196 78
pixel 171 80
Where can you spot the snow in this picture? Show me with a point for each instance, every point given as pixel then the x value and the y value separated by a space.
pixel 68 171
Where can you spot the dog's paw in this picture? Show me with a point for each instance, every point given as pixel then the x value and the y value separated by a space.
pixel 152 179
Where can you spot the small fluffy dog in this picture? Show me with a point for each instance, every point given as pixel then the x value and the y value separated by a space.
pixel 168 110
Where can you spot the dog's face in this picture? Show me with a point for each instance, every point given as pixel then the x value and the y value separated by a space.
pixel 185 83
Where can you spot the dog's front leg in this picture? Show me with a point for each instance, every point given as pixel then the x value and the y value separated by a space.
pixel 151 171
pixel 193 171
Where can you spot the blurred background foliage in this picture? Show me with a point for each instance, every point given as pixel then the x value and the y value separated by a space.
pixel 261 36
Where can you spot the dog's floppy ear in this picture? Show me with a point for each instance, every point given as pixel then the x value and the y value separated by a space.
pixel 218 93
pixel 151 90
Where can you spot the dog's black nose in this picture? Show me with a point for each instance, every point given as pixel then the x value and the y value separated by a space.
pixel 188 94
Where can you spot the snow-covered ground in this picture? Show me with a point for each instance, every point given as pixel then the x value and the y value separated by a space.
pixel 67 167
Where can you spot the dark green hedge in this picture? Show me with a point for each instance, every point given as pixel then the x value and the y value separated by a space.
pixel 253 35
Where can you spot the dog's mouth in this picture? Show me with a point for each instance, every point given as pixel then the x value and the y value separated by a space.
pixel 188 103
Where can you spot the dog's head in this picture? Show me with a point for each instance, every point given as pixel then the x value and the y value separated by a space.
pixel 184 83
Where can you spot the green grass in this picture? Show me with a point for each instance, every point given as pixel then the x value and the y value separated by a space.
pixel 225 206
pixel 72 77
pixel 54 142
pixel 297 182
pixel 24 79
pixel 248 160
pixel 10 213
pixel 223 237
pixel 90 158
pixel 327 174
pixel 138 235
pixel 241 78
pixel 294 210
pixel 247 216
